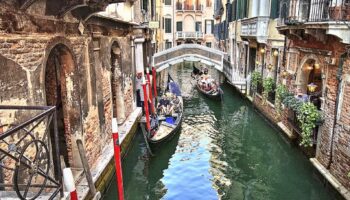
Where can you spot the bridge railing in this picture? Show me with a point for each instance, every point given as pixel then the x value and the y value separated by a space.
pixel 29 153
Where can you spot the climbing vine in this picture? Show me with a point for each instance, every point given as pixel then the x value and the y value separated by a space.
pixel 256 78
pixel 307 115
pixel 281 93
pixel 268 86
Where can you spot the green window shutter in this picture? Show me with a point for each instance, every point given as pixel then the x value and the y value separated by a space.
pixel 178 26
pixel 274 9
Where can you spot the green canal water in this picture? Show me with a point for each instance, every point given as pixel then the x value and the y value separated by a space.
pixel 223 151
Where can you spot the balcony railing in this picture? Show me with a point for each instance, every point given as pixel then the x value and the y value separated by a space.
pixel 302 11
pixel 188 7
pixel 255 27
pixel 189 35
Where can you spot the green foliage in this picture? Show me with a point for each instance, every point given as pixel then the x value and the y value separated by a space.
pixel 268 86
pixel 307 115
pixel 291 102
pixel 255 80
pixel 281 93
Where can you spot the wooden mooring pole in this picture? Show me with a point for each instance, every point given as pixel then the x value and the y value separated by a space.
pixel 117 159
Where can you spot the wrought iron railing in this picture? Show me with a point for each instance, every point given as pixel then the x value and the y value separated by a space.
pixel 302 11
pixel 29 153
pixel 189 35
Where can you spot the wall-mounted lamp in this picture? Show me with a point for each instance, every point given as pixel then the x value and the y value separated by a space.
pixel 262 50
pixel 269 67
pixel 275 53
pixel 257 62
pixel 317 66
pixel 312 87
pixel 285 73
pixel 309 67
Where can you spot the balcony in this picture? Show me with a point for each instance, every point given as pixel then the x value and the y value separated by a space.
pixel 189 35
pixel 255 27
pixel 316 14
pixel 188 7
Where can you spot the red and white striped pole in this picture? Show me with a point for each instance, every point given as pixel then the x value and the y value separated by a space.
pixel 154 74
pixel 145 103
pixel 150 89
pixel 69 183
pixel 117 159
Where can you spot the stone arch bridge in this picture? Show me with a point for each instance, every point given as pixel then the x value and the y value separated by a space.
pixel 196 53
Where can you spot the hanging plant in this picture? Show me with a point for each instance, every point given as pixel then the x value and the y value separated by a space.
pixel 307 115
pixel 255 80
pixel 268 86
pixel 281 93
pixel 291 102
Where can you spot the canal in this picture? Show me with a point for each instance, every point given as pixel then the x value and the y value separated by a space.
pixel 224 151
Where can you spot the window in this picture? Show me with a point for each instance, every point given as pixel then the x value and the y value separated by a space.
pixel 199 43
pixel 209 26
pixel 198 26
pixel 167 45
pixel 275 5
pixel 208 44
pixel 144 5
pixel 167 2
pixel 208 3
pixel 178 26
pixel 178 4
pixel 167 24
pixel 178 43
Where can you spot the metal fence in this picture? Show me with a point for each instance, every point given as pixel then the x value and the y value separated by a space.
pixel 301 11
pixel 29 153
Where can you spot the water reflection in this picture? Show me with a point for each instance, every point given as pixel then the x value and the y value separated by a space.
pixel 224 151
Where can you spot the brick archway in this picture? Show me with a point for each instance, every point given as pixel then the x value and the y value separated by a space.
pixel 62 90
pixel 305 70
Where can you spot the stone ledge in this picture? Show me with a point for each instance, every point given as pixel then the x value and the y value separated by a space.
pixel 108 153
pixel 285 129
pixel 331 179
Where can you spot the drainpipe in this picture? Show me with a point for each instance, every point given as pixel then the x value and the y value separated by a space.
pixel 339 79
pixel 133 67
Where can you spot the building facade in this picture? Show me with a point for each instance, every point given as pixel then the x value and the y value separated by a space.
pixel 79 57
pixel 301 48
pixel 189 21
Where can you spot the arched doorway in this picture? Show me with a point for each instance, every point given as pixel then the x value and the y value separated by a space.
pixel 117 83
pixel 59 64
pixel 310 81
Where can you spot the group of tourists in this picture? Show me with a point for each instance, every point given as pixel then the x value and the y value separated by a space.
pixel 207 83
pixel 168 104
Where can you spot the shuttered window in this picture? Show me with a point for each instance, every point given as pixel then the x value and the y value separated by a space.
pixel 275 9
pixel 167 2
pixel 198 26
pixel 178 26
pixel 167 25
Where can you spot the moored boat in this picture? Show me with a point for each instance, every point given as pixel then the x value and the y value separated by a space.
pixel 165 125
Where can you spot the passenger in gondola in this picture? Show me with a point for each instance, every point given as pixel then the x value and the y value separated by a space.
pixel 177 106
pixel 154 123
pixel 162 105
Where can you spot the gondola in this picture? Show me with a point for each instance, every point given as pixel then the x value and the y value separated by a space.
pixel 168 125
pixel 213 94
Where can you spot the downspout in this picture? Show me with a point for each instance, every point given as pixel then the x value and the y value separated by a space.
pixel 133 67
pixel 339 79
